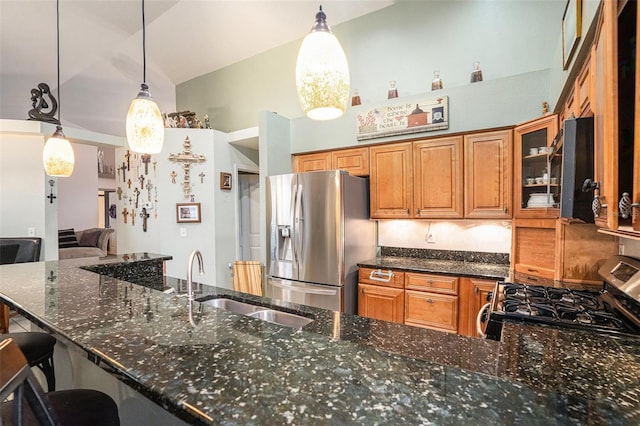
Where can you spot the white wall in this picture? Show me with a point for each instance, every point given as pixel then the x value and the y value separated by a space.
pixel 489 236
pixel 78 194
pixel 631 247
pixel 23 190
pixel 214 236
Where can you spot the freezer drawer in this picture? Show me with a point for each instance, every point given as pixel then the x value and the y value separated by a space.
pixel 319 296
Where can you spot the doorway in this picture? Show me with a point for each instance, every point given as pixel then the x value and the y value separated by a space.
pixel 248 215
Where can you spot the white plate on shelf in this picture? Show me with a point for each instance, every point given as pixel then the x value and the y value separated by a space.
pixel 540 200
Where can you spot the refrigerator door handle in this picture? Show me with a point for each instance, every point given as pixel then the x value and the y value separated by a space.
pixel 301 226
pixel 304 290
pixel 294 221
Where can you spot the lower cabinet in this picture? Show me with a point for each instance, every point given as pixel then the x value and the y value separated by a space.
pixel 431 310
pixel 383 303
pixel 474 294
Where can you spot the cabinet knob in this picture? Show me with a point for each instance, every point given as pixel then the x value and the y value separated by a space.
pixel 429 281
pixel 429 301
pixel 417 211
pixel 532 270
pixel 506 209
pixel 475 289
pixel 408 211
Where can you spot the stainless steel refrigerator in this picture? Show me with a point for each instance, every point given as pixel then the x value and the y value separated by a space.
pixel 318 229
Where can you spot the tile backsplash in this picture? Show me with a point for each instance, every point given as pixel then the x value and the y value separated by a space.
pixel 490 236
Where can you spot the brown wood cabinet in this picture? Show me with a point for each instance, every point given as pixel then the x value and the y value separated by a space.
pixel 381 294
pixel 533 249
pixel 391 188
pixel 353 160
pixel 530 136
pixel 431 301
pixel 474 294
pixel 438 178
pixel 488 175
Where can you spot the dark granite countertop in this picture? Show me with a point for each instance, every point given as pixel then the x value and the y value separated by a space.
pixel 339 369
pixel 437 266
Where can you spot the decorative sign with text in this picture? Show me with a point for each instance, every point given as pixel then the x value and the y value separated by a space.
pixel 424 116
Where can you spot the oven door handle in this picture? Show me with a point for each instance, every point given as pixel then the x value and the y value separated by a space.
pixel 479 320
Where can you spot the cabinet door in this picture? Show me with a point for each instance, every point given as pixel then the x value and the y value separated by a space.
pixel 438 178
pixel 528 166
pixel 636 170
pixel 355 161
pixel 383 303
pixel 311 162
pixel 431 310
pixel 391 181
pixel 479 297
pixel 488 175
pixel 533 250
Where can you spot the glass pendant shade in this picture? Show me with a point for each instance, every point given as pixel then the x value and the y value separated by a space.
pixel 322 73
pixel 145 128
pixel 57 156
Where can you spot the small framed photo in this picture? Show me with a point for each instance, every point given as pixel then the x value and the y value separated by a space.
pixel 225 180
pixel 188 212
pixel 571 30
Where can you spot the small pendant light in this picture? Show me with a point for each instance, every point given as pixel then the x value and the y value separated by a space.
pixel 57 155
pixel 145 128
pixel 322 73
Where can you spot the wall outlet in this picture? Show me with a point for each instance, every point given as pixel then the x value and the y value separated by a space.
pixel 621 249
pixel 183 232
pixel 431 238
pixel 31 231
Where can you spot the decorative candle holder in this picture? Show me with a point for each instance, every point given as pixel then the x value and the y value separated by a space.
pixel 476 74
pixel 393 91
pixel 355 100
pixel 436 84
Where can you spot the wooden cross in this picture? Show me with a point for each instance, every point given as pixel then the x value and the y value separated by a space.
pixel 141 180
pixel 123 168
pixel 155 163
pixel 128 156
pixel 186 159
pixel 202 175
pixel 125 213
pixel 129 183
pixel 146 159
pixel 119 192
pixel 144 215
pixel 133 217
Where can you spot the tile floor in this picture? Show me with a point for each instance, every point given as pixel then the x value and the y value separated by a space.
pixel 18 324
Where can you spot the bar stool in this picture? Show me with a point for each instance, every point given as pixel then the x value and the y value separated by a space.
pixel 37 348
pixel 70 407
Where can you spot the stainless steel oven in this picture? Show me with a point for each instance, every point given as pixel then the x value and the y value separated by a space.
pixel 615 309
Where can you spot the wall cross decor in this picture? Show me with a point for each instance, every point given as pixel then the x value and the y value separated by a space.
pixel 186 159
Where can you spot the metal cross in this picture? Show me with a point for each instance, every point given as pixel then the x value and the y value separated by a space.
pixel 119 192
pixel 186 159
pixel 202 175
pixel 128 156
pixel 124 174
pixel 136 192
pixel 144 215
pixel 146 159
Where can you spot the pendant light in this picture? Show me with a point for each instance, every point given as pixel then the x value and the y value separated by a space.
pixel 322 73
pixel 57 156
pixel 145 128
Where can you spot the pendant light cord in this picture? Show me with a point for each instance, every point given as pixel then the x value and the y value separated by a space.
pixel 58 53
pixel 144 50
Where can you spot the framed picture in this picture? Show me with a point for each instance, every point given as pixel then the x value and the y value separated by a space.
pixel 571 30
pixel 188 212
pixel 225 180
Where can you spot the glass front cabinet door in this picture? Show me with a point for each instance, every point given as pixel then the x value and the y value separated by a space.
pixel 536 187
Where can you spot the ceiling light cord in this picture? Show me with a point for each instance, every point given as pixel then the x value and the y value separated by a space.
pixel 58 56
pixel 144 49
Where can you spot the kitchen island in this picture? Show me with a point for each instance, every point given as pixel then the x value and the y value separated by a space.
pixel 339 369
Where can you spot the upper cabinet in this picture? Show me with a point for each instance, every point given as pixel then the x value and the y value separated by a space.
pixel 354 160
pixel 438 178
pixel 488 175
pixel 531 170
pixel 617 138
pixel 466 176
pixel 390 180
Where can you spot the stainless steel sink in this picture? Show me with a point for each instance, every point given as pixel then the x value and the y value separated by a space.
pixel 233 306
pixel 259 312
pixel 282 318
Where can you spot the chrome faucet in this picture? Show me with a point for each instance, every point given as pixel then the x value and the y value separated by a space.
pixel 194 254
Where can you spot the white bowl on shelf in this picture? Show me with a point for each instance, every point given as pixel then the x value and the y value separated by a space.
pixel 540 200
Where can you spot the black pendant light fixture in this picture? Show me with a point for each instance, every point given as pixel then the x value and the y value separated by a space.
pixel 145 128
pixel 57 156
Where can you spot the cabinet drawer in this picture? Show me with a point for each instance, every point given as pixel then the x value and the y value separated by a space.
pixel 381 277
pixel 431 310
pixel 432 283
pixel 534 271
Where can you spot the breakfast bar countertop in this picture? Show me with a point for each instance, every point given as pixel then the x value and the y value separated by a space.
pixel 340 369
